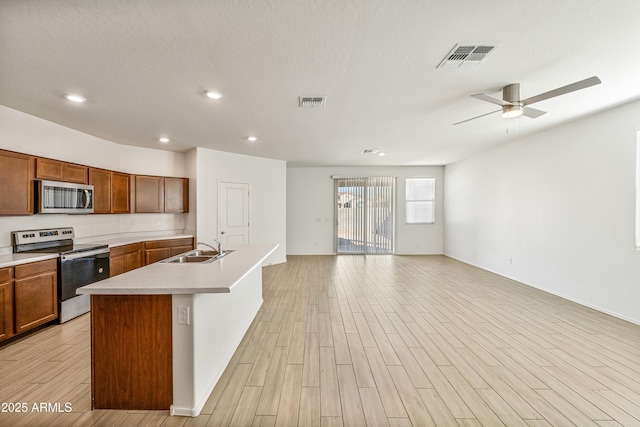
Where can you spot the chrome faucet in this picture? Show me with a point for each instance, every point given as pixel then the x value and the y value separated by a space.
pixel 219 245
pixel 209 246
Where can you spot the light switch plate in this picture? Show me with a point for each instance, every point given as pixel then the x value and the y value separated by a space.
pixel 183 315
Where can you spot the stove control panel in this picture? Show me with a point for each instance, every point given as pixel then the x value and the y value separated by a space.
pixel 37 236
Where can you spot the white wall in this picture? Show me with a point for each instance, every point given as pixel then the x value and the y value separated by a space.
pixel 28 134
pixel 555 211
pixel 310 209
pixel 267 200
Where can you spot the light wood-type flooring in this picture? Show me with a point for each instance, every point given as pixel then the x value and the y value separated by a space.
pixel 375 341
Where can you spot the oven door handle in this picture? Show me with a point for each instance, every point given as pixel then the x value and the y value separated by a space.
pixel 85 254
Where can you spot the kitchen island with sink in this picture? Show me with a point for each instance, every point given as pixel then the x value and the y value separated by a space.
pixel 162 335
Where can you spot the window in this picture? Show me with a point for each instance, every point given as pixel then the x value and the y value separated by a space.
pixel 420 195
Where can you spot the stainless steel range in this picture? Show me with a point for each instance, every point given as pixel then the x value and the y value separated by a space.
pixel 78 265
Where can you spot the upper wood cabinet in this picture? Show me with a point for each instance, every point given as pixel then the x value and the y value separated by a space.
pixel 16 180
pixel 114 192
pixel 110 191
pixel 101 181
pixel 120 192
pixel 157 194
pixel 61 171
pixel 149 194
pixel 176 195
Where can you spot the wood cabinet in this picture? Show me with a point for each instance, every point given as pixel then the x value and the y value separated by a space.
pixel 176 195
pixel 114 192
pixel 157 250
pixel 131 355
pixel 101 181
pixel 6 303
pixel 155 194
pixel 110 191
pixel 61 171
pixel 35 294
pixel 16 179
pixel 125 258
pixel 149 194
pixel 120 192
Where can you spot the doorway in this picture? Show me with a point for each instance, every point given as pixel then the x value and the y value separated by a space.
pixel 365 220
pixel 233 213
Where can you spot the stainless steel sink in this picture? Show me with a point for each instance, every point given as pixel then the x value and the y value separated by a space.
pixel 225 253
pixel 200 252
pixel 190 258
pixel 197 256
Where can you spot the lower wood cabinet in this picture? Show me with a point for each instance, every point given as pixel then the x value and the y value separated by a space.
pixel 125 258
pixel 157 250
pixel 6 303
pixel 35 294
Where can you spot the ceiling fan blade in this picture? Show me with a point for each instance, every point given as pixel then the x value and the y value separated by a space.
pixel 582 84
pixel 477 117
pixel 491 99
pixel 532 112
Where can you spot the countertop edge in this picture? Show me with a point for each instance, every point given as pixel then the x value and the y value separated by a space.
pixel 12 260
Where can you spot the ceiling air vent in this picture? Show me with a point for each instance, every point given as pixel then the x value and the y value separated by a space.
pixel 465 55
pixel 369 151
pixel 312 101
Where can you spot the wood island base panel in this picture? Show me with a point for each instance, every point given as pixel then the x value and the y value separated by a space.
pixel 131 356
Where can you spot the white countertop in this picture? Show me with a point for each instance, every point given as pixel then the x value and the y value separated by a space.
pixel 219 276
pixel 11 260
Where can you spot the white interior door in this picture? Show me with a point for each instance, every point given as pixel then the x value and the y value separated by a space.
pixel 233 213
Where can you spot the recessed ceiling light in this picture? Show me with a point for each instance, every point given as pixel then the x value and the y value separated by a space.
pixel 213 94
pixel 252 138
pixel 75 98
pixel 164 139
pixel 382 153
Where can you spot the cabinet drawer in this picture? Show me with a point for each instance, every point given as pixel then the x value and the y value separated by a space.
pixel 169 243
pixel 5 275
pixel 125 249
pixel 31 269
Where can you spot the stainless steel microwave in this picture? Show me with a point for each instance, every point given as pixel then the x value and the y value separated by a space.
pixel 53 197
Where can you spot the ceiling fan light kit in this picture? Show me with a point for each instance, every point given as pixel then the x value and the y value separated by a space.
pixel 514 106
pixel 512 111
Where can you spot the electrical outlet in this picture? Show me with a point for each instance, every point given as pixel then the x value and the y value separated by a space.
pixel 183 315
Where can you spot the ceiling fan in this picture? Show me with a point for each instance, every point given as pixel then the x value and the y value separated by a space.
pixel 513 106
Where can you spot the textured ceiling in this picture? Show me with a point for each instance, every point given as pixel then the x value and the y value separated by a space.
pixel 143 65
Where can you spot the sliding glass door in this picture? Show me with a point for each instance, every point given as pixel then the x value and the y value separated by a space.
pixel 365 215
